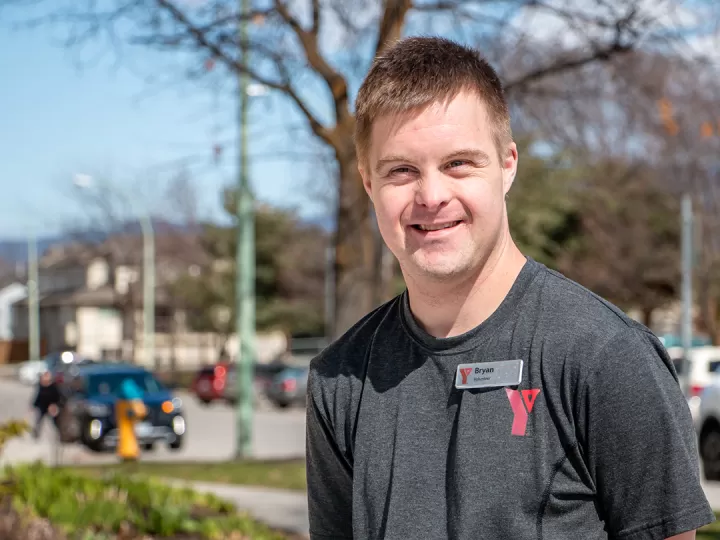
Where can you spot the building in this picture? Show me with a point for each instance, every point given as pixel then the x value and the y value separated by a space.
pixel 91 301
pixel 11 291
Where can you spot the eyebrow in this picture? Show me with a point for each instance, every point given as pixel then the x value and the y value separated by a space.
pixel 468 153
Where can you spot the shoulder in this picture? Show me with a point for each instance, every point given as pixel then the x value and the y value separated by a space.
pixel 588 327
pixel 346 356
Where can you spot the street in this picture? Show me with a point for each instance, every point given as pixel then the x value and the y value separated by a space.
pixel 211 430
pixel 210 435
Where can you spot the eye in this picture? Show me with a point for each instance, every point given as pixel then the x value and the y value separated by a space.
pixel 401 170
pixel 457 163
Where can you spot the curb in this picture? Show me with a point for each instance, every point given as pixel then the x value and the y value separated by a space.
pixel 280 509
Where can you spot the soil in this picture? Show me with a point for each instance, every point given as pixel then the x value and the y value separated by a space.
pixel 14 526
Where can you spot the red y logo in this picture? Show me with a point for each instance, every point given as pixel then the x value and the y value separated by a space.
pixel 520 415
pixel 464 372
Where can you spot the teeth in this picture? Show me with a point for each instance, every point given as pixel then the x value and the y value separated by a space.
pixel 437 227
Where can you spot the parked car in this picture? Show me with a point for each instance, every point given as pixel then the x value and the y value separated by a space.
pixel 209 382
pixel 704 363
pixel 219 382
pixel 289 387
pixel 92 407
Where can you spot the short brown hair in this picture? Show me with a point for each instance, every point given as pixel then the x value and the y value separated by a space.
pixel 419 71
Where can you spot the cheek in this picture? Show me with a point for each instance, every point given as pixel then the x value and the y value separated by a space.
pixel 390 204
pixel 485 201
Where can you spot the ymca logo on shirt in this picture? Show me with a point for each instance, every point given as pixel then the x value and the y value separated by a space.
pixel 521 402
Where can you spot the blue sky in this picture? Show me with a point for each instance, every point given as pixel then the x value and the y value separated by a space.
pixel 58 119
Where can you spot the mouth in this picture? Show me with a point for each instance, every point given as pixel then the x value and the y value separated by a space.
pixel 430 227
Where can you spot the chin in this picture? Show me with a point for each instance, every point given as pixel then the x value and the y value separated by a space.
pixel 440 270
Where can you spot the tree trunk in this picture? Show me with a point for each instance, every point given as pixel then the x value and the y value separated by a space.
pixel 647 313
pixel 709 316
pixel 708 304
pixel 354 245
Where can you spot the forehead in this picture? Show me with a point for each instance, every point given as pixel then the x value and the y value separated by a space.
pixel 461 120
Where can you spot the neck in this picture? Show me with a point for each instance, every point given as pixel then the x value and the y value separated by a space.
pixel 450 309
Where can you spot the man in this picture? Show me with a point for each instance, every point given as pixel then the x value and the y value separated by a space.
pixel 494 399
pixel 46 402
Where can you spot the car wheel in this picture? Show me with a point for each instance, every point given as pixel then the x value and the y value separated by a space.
pixel 97 446
pixel 710 451
pixel 148 447
pixel 176 444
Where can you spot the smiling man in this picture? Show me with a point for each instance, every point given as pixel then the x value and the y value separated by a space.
pixel 494 399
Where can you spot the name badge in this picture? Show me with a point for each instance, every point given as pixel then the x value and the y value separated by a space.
pixel 489 374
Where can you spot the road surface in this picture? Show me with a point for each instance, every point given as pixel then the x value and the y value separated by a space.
pixel 211 432
pixel 210 435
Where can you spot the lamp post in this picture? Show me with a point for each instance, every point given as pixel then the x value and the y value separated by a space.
pixel 32 292
pixel 85 181
pixel 688 229
pixel 245 263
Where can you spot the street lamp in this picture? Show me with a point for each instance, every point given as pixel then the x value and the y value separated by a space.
pixel 245 257
pixel 85 181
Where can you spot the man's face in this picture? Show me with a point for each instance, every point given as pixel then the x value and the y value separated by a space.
pixel 439 188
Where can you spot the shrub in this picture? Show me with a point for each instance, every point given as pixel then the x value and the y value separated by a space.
pixel 95 508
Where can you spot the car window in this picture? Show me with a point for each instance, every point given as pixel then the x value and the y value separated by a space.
pixel 714 366
pixel 109 384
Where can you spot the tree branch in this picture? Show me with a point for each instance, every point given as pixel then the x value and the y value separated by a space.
pixel 603 54
pixel 203 42
pixel 392 23
pixel 309 42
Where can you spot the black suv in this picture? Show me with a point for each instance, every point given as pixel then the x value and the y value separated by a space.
pixel 91 407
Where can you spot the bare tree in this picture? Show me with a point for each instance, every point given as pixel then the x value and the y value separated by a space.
pixel 315 51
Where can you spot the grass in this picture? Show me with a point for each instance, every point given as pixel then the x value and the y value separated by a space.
pixel 286 474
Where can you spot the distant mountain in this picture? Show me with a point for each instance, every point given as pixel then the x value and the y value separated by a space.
pixel 14 252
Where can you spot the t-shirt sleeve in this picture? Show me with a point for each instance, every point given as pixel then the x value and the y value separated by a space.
pixel 329 473
pixel 640 443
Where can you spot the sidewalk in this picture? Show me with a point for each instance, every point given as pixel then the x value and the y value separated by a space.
pixel 280 509
pixel 287 510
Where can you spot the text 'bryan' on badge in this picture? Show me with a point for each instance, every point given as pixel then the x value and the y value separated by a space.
pixel 489 374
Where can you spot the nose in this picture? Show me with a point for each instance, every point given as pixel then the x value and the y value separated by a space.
pixel 432 191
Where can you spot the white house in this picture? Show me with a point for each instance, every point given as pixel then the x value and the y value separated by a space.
pixel 11 292
pixel 90 301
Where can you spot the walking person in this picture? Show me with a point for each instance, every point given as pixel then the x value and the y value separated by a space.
pixel 47 401
pixel 495 398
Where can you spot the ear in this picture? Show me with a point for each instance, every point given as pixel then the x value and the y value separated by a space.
pixel 509 166
pixel 365 179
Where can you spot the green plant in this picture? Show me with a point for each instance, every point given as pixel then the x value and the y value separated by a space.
pixel 92 508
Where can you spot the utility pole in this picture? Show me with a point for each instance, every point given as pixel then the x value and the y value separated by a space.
pixel 33 305
pixel 148 289
pixel 245 264
pixel 687 300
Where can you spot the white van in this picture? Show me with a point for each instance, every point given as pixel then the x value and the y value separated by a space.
pixel 704 362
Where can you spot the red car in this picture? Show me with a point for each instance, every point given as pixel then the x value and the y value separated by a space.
pixel 209 383
pixel 219 382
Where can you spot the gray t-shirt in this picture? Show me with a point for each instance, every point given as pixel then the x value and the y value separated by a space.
pixel 596 441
